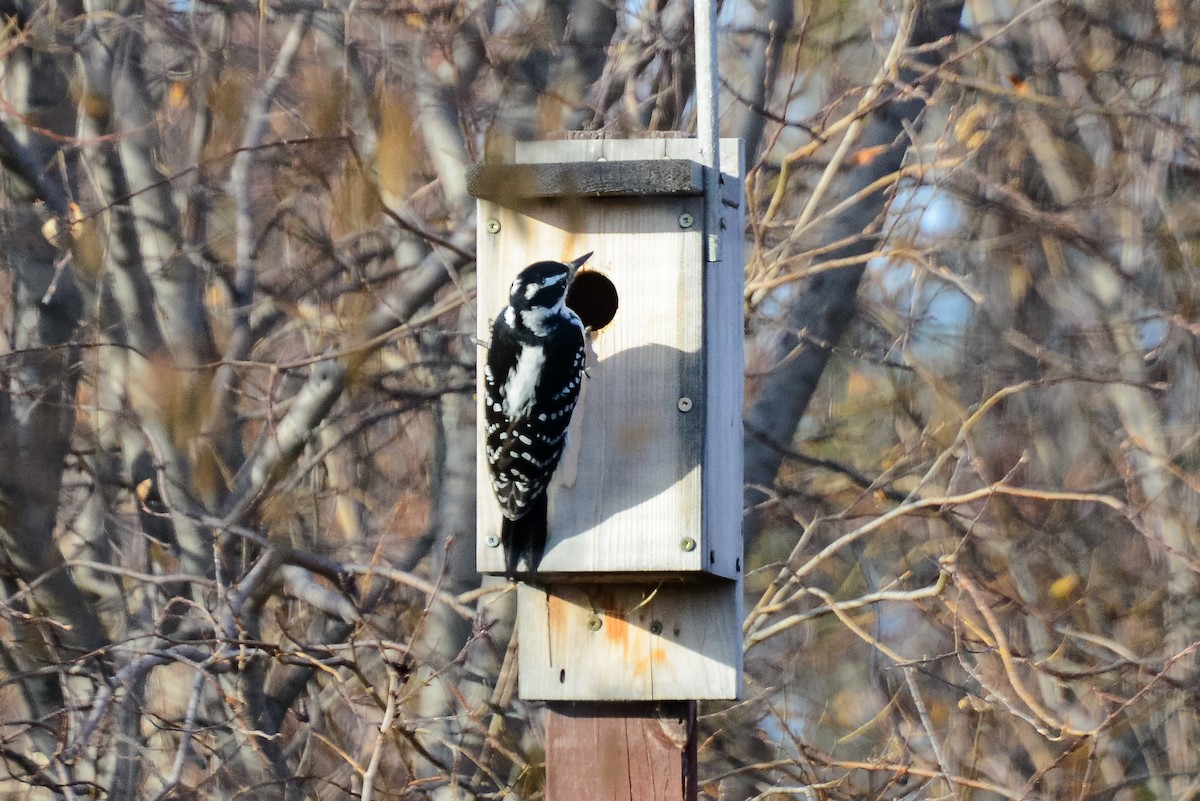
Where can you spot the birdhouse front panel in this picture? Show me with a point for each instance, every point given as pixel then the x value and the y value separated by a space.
pixel 648 490
pixel 627 494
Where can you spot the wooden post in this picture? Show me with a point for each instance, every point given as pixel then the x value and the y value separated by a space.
pixel 609 751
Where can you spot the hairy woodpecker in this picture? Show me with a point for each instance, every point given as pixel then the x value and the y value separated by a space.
pixel 534 368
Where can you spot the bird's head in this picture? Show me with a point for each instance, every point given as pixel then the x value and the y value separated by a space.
pixel 543 285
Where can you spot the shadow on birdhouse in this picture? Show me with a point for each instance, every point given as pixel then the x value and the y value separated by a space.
pixel 646 472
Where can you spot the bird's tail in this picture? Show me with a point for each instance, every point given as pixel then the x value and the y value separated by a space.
pixel 525 536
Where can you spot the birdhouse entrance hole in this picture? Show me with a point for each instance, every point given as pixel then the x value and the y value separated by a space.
pixel 594 298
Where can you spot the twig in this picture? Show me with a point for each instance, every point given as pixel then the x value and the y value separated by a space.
pixel 430 590
pixel 756 617
pixel 843 606
pixel 385 725
pixel 908 770
pixel 927 723
pixel 18 158
pixel 185 740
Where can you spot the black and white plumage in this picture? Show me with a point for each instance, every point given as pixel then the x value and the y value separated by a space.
pixel 534 369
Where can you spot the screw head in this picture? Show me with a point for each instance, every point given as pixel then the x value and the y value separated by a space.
pixel 492 540
pixel 685 404
pixel 656 627
pixel 686 220
pixel 594 623
pixel 493 226
pixel 688 544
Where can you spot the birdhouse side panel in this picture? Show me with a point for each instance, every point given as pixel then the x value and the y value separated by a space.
pixel 725 370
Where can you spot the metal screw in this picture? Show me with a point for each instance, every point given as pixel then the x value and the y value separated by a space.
pixel 493 226
pixel 492 540
pixel 686 220
pixel 685 404
pixel 656 627
pixel 594 623
pixel 687 544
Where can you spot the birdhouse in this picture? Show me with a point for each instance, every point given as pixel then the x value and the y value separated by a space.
pixel 647 496
pixel 651 480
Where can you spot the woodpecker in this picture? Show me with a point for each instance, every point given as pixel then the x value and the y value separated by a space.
pixel 534 369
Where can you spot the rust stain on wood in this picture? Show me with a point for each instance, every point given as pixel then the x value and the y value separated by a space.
pixel 559 613
pixel 645 664
pixel 616 627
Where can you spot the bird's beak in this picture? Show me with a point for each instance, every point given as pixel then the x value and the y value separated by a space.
pixel 577 263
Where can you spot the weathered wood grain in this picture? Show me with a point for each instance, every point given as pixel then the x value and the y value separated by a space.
pixel 508 183
pixel 632 465
pixel 605 751
pixel 630 642
pixel 651 481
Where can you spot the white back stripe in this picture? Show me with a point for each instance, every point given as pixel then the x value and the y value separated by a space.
pixel 518 391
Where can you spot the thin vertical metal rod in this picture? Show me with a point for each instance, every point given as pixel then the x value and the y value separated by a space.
pixel 707 128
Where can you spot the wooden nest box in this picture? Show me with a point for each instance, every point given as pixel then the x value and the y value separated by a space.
pixel 646 504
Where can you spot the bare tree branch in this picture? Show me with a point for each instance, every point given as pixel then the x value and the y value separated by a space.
pixel 825 305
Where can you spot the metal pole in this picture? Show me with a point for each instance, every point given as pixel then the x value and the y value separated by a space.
pixel 707 128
